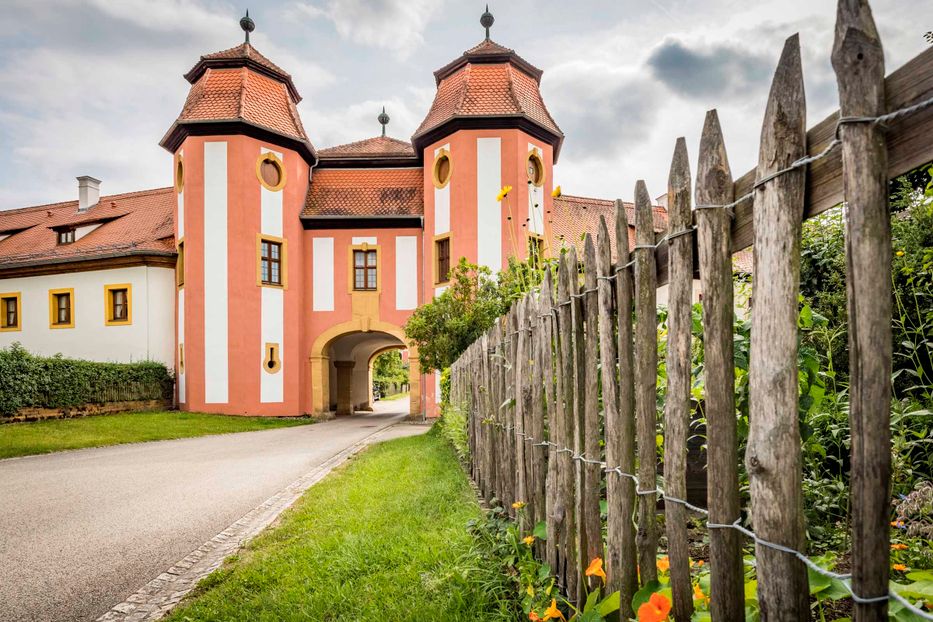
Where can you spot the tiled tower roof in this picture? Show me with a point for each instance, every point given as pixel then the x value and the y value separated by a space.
pixel 488 86
pixel 239 90
pixel 377 147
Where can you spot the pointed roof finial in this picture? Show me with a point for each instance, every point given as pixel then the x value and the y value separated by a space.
pixel 383 119
pixel 247 24
pixel 486 20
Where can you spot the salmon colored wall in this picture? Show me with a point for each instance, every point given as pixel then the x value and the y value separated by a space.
pixel 244 295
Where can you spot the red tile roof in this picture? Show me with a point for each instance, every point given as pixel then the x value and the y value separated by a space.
pixel 242 95
pixel 488 81
pixel 243 55
pixel 133 223
pixel 365 192
pixel 573 216
pixel 378 147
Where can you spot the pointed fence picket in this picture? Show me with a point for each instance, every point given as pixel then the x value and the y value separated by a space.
pixel 561 393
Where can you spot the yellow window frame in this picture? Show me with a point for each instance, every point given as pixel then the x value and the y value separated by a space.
pixel 4 328
pixel 108 304
pixel 53 307
pixel 283 260
pixel 350 271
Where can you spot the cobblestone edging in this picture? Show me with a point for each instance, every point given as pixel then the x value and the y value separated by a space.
pixel 158 597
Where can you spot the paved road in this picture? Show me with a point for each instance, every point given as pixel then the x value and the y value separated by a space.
pixel 81 530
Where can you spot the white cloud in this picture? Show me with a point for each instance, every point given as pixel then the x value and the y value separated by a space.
pixel 394 25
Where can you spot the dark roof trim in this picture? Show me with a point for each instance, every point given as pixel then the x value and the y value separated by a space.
pixel 488 122
pixel 362 222
pixel 488 59
pixel 235 63
pixel 413 161
pixel 85 263
pixel 210 127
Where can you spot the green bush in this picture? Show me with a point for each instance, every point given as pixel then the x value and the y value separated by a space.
pixel 28 381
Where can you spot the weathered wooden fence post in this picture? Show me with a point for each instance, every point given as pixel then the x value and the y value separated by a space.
pixel 714 188
pixel 773 455
pixel 646 381
pixel 859 63
pixel 571 338
pixel 522 396
pixel 544 402
pixel 677 398
pixel 590 522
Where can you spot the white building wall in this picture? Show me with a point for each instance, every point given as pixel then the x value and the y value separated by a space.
pixel 151 336
pixel 488 209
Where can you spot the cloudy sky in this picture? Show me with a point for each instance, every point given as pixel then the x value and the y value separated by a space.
pixel 89 87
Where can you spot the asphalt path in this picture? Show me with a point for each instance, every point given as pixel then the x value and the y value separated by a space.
pixel 81 530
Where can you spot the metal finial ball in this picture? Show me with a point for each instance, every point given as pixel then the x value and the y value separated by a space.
pixel 486 19
pixel 383 117
pixel 247 23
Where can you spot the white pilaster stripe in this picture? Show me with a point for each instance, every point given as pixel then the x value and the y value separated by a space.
pixel 216 376
pixel 406 267
pixel 181 199
pixel 270 205
pixel 182 373
pixel 271 386
pixel 488 210
pixel 536 197
pixel 441 201
pixel 322 276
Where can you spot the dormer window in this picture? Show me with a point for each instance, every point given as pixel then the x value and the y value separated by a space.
pixel 66 237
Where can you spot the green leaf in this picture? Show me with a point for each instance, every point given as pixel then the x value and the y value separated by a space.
pixel 610 604
pixel 540 531
pixel 642 595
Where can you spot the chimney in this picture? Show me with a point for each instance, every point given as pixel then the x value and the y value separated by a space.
pixel 88 192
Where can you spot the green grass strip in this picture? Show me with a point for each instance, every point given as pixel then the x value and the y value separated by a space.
pixel 382 538
pixel 40 437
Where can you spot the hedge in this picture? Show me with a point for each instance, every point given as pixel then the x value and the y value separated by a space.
pixel 27 380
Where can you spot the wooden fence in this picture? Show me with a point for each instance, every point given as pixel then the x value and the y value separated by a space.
pixel 561 392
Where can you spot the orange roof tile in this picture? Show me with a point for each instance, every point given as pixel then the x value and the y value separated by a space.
pixel 365 192
pixel 133 223
pixel 573 216
pixel 489 81
pixel 377 147
pixel 243 55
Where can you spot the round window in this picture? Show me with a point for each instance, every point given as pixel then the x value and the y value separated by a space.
pixel 179 175
pixel 270 171
pixel 535 169
pixel 442 168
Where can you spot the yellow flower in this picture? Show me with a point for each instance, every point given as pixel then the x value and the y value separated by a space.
pixel 698 594
pixel 529 540
pixel 530 591
pixel 899 547
pixel 553 613
pixel 595 569
pixel 664 564
pixel 503 193
pixel 899 567
pixel 556 192
pixel 518 505
pixel 899 253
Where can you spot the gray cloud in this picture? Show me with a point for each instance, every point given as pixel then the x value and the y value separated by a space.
pixel 717 69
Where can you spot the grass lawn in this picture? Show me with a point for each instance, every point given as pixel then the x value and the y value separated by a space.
pixel 383 538
pixel 397 396
pixel 41 437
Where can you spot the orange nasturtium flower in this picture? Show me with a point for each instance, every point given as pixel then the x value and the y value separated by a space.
pixel 664 564
pixel 518 505
pixel 595 569
pixel 698 594
pixel 656 609
pixel 503 193
pixel 534 617
pixel 899 547
pixel 556 192
pixel 553 613
pixel 529 540
pixel 899 567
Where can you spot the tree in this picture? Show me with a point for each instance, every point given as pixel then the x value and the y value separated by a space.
pixel 388 369
pixel 443 328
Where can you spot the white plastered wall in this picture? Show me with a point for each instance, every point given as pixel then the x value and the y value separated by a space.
pixel 150 336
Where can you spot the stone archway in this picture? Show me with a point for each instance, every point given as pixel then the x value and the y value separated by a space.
pixel 341 360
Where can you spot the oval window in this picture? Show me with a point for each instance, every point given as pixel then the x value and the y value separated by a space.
pixel 535 169
pixel 179 175
pixel 442 168
pixel 270 171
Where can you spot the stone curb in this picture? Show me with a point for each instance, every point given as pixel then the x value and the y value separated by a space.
pixel 158 597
